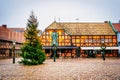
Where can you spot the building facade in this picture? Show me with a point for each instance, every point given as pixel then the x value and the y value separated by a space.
pixel 117 30
pixel 7 37
pixel 80 39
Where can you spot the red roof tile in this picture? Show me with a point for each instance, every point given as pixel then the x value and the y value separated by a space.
pixel 117 26
pixel 17 29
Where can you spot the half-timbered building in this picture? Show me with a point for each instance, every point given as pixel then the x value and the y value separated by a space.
pixel 76 39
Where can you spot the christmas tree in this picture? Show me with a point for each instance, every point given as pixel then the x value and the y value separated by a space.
pixel 32 52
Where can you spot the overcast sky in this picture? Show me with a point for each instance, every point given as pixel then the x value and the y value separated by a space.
pixel 15 13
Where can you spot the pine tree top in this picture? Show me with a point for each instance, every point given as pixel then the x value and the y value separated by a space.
pixel 32 17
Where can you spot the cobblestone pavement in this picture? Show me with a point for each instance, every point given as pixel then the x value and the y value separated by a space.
pixel 62 69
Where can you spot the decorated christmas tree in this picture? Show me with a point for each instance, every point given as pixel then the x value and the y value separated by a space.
pixel 32 52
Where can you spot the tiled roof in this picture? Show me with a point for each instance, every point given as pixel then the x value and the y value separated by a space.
pixel 7 34
pixel 117 26
pixel 84 28
pixel 54 25
pixel 17 29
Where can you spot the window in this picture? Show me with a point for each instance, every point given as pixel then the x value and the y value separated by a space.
pixel 77 41
pixel 73 36
pixel 110 40
pixel 101 36
pixel 73 40
pixel 90 37
pixel 114 40
pixel 90 40
pixel 86 40
pixel 66 37
pixel 106 40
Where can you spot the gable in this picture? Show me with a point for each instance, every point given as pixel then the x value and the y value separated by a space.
pixel 54 25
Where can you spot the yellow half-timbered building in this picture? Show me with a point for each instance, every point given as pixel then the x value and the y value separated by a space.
pixel 77 39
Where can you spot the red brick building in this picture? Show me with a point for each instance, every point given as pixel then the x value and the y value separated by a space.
pixel 7 36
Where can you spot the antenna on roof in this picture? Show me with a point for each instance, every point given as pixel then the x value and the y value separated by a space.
pixel 54 18
pixel 105 21
pixel 77 19
pixel 59 20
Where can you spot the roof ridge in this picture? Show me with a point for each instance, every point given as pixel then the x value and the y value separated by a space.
pixel 81 22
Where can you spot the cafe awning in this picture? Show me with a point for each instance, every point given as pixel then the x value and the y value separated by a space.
pixel 98 48
pixel 84 48
pixel 64 47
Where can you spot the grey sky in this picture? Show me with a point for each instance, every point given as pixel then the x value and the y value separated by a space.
pixel 15 13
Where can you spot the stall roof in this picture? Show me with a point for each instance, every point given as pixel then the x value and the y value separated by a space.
pixel 98 48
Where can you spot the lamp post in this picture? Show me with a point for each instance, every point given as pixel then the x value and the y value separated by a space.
pixel 103 47
pixel 54 47
pixel 54 44
pixel 14 52
pixel 103 44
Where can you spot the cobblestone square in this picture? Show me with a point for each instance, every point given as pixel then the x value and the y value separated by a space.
pixel 62 69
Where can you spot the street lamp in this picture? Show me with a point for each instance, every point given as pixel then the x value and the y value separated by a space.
pixel 14 51
pixel 103 47
pixel 54 43
pixel 54 47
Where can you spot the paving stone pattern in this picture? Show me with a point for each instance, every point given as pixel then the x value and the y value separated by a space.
pixel 62 69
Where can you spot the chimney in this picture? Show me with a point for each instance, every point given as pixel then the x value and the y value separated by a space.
pixel 5 26
pixel 105 21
